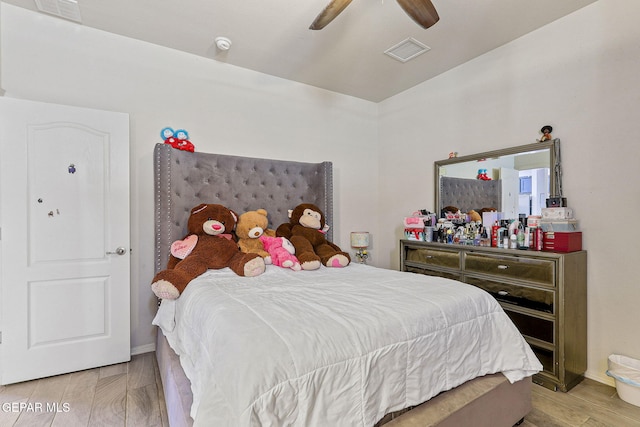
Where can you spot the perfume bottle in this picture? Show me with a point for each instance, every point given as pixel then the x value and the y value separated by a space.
pixel 484 237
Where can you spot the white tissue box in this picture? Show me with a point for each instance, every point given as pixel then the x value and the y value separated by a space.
pixel 559 225
pixel 557 213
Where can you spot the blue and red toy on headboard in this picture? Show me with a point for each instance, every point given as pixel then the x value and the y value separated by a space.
pixel 178 139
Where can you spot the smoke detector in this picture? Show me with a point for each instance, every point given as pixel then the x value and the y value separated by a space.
pixel 67 9
pixel 223 43
pixel 407 50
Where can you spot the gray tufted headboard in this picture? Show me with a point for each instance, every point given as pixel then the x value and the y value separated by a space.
pixel 467 194
pixel 184 180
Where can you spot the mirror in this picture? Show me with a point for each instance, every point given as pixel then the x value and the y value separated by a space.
pixel 515 181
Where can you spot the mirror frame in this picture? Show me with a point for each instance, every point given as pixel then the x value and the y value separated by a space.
pixel 551 145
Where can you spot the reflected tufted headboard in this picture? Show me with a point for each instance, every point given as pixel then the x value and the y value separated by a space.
pixel 467 194
pixel 184 180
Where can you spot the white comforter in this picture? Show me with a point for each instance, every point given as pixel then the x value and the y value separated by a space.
pixel 333 347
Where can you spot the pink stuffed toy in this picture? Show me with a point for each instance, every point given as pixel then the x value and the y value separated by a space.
pixel 281 251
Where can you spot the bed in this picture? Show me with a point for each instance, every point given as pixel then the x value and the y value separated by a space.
pixel 355 346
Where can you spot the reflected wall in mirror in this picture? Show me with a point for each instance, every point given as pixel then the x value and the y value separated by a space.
pixel 515 181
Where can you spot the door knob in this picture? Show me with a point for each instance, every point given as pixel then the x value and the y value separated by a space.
pixel 119 251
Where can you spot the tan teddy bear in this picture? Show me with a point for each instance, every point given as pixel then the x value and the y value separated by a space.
pixel 251 225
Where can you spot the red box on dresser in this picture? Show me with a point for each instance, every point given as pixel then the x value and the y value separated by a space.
pixel 562 241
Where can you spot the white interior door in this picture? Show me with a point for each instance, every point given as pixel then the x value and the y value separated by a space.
pixel 510 192
pixel 64 218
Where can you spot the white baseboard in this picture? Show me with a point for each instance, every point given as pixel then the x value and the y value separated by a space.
pixel 600 377
pixel 147 348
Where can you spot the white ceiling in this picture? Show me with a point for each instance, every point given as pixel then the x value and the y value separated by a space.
pixel 272 36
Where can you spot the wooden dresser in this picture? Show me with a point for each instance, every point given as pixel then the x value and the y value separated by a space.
pixel 544 293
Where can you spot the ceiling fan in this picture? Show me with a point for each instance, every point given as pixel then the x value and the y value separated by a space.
pixel 421 11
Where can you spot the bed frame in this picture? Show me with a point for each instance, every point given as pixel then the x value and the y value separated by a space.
pixel 184 180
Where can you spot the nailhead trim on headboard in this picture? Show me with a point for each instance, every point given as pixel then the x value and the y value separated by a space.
pixel 184 180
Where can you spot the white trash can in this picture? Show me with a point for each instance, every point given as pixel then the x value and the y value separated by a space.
pixel 626 372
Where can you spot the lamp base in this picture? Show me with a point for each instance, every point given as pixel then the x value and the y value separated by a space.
pixel 361 255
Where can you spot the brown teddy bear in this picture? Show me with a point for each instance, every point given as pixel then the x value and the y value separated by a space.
pixel 209 245
pixel 305 230
pixel 250 226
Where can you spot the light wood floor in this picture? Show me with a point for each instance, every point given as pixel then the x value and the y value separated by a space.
pixel 130 394
pixel 589 404
pixel 126 394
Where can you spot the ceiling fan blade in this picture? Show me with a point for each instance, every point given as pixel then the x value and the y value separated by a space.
pixel 421 11
pixel 332 10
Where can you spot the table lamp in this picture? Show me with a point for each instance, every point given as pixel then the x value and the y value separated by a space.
pixel 360 242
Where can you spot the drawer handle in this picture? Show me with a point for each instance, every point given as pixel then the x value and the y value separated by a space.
pixel 429 256
pixel 503 293
pixel 502 267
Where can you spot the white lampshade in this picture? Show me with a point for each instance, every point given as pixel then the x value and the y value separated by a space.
pixel 359 239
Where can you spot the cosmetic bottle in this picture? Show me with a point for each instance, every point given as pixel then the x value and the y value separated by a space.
pixel 503 238
pixel 484 238
pixel 494 234
pixel 520 237
pixel 513 242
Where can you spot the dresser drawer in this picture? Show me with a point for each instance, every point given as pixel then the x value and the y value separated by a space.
pixel 532 326
pixel 522 296
pixel 535 270
pixel 437 273
pixel 433 257
pixel 546 357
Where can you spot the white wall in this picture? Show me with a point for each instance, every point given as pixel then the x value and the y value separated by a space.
pixel 579 74
pixel 225 109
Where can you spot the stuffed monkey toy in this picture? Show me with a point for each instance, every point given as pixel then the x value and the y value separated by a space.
pixel 305 230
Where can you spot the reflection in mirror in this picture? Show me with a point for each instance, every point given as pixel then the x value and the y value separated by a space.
pixel 515 181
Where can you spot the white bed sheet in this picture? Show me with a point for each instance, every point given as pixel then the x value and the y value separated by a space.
pixel 333 347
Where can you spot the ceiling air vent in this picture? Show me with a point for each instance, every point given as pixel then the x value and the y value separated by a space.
pixel 407 49
pixel 67 9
